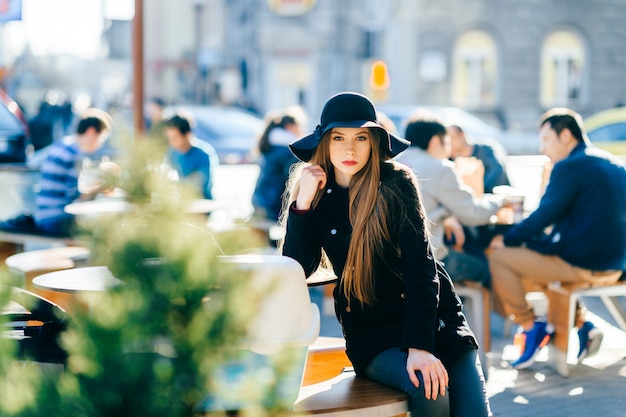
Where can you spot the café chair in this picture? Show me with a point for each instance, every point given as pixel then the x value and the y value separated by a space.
pixel 273 352
pixel 36 324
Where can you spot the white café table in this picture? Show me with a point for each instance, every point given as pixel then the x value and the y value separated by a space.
pixel 119 205
pixel 85 279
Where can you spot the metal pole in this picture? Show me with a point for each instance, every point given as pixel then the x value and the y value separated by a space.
pixel 138 92
pixel 198 85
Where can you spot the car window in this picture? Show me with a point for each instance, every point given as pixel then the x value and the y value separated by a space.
pixel 615 131
pixel 227 123
pixel 8 122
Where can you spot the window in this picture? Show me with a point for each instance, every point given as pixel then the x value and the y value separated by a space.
pixel 562 69
pixel 474 70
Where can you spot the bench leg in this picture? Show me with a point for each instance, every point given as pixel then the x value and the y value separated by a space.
pixel 561 309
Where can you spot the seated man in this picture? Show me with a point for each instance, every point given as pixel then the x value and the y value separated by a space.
pixel 194 162
pixel 58 186
pixel 577 234
pixel 448 202
pixel 460 146
pixel 478 238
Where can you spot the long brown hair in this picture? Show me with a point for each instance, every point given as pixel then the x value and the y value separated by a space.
pixel 368 211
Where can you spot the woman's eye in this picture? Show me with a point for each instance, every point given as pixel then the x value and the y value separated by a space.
pixel 361 138
pixel 337 138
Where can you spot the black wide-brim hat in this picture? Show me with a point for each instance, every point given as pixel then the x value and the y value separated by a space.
pixel 346 109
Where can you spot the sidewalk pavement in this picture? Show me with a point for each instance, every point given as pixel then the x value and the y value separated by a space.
pixel 594 388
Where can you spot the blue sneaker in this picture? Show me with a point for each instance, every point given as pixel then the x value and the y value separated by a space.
pixel 590 338
pixel 536 338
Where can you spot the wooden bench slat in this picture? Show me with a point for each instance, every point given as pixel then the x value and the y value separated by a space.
pixel 347 394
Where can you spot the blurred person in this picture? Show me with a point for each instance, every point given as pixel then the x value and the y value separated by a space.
pixel 577 234
pixel 449 203
pixel 477 238
pixel 462 146
pixel 43 127
pixel 60 170
pixel 192 163
pixel 275 162
pixel 154 118
pixel 352 205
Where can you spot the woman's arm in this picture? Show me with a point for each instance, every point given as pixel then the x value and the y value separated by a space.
pixel 301 242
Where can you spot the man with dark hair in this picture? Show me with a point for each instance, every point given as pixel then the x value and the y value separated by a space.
pixel 449 203
pixel 194 162
pixel 59 178
pixel 576 235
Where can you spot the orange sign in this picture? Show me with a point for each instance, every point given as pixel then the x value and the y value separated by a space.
pixel 291 7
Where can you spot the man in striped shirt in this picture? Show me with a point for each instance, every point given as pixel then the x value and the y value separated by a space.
pixel 59 172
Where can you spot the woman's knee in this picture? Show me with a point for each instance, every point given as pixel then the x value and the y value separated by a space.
pixel 420 406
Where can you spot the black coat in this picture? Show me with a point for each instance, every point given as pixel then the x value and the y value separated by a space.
pixel 415 306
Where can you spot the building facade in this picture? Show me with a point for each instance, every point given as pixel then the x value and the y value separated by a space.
pixel 504 60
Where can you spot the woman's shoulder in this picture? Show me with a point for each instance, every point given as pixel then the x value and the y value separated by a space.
pixel 398 175
pixel 397 172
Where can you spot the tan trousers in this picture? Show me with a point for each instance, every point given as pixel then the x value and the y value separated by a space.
pixel 510 266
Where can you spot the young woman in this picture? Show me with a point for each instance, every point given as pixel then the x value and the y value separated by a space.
pixel 352 206
pixel 275 162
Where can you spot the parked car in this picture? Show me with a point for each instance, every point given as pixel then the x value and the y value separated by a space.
pixel 232 131
pixel 607 129
pixel 504 142
pixel 14 138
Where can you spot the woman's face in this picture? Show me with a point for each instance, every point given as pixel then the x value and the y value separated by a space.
pixel 350 149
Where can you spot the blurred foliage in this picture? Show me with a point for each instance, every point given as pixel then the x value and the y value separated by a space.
pixel 150 345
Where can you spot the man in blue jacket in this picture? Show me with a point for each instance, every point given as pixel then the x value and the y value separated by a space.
pixel 577 234
pixel 193 160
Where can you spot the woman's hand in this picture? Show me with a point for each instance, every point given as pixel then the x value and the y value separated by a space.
pixel 312 179
pixel 434 373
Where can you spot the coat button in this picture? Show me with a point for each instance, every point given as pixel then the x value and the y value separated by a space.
pixel 328 191
pixel 348 309
pixel 403 295
pixel 333 231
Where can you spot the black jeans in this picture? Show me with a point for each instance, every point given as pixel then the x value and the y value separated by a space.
pixel 466 395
